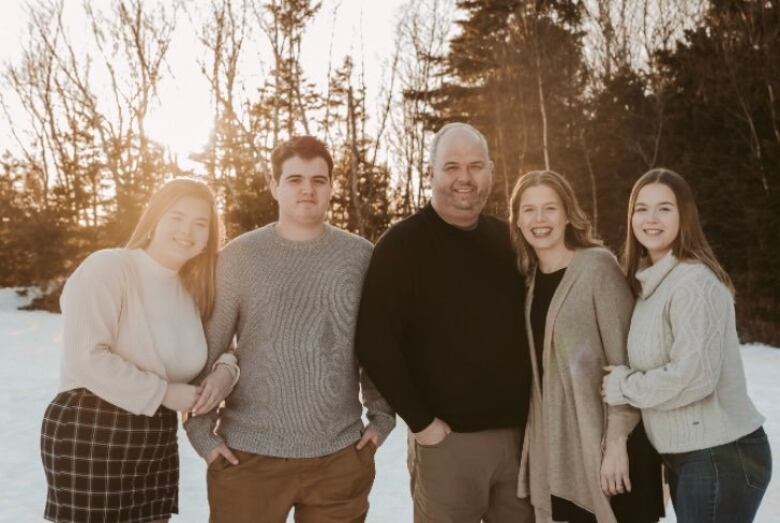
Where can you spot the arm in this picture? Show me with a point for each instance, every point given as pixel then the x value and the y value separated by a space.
pixel 92 302
pixel 614 304
pixel 698 315
pixel 382 327
pixel 220 330
pixel 381 417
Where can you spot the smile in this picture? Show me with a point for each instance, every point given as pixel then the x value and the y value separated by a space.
pixel 653 232
pixel 184 243
pixel 541 232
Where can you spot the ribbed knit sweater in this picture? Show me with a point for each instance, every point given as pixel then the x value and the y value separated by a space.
pixel 686 371
pixel 293 307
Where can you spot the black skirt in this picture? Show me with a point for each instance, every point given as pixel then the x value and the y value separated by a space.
pixel 105 464
pixel 645 502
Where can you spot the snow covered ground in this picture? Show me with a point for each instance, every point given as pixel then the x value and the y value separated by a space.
pixel 30 342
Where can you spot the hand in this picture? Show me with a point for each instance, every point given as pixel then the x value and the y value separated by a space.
pixel 614 468
pixel 433 434
pixel 215 388
pixel 180 396
pixel 223 451
pixel 368 435
pixel 608 369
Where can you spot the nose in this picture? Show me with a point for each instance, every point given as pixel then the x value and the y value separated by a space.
pixel 538 216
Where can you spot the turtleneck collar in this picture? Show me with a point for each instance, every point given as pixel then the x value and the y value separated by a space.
pixel 154 267
pixel 652 276
pixel 431 213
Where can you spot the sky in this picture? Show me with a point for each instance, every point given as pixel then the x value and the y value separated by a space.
pixel 182 116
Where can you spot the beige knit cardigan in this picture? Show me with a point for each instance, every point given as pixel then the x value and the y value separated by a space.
pixel 586 329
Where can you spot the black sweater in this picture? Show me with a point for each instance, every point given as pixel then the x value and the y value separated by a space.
pixel 441 330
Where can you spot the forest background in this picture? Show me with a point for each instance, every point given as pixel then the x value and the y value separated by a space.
pixel 598 90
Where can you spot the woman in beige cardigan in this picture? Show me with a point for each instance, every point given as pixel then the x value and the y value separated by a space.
pixel 576 456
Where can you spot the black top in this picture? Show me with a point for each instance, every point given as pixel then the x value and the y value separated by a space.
pixel 440 330
pixel 544 289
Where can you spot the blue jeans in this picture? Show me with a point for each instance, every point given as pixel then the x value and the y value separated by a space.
pixel 723 484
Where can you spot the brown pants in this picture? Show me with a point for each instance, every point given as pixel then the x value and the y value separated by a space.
pixel 260 489
pixel 468 478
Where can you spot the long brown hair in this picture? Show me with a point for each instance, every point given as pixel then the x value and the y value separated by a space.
pixel 579 232
pixel 690 243
pixel 198 274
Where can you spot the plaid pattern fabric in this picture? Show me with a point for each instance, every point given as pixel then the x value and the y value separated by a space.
pixel 105 464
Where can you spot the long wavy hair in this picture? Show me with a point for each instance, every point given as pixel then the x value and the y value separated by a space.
pixel 579 232
pixel 198 273
pixel 690 244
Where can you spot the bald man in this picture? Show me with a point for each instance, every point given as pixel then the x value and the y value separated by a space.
pixel 441 334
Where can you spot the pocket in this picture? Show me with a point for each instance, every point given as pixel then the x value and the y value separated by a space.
pixel 435 445
pixel 755 458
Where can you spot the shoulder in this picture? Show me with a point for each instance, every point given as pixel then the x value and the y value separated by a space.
pixel 343 238
pixel 106 269
pixel 247 242
pixel 599 261
pixel 105 263
pixel 411 229
pixel 495 223
pixel 696 278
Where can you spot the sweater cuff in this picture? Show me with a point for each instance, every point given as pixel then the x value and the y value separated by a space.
pixel 230 362
pixel 419 421
pixel 383 424
pixel 613 391
pixel 201 435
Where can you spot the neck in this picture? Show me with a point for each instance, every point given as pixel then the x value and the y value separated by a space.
pixel 467 220
pixel 297 232
pixel 554 258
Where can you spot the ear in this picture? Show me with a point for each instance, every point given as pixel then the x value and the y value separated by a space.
pixel 274 186
pixel 429 173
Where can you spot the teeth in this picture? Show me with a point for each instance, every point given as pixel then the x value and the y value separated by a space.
pixel 184 243
pixel 541 232
pixel 653 232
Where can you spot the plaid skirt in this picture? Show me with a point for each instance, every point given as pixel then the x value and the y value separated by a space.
pixel 105 464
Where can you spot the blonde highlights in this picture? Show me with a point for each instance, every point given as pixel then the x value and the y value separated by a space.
pixel 199 273
pixel 579 232
pixel 690 244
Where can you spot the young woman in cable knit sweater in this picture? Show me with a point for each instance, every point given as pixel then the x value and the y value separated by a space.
pixel 685 371
pixel 132 339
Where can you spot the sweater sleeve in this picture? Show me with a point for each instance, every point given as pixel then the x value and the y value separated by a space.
pixel 381 416
pixel 382 327
pixel 220 330
pixel 698 314
pixel 614 303
pixel 92 302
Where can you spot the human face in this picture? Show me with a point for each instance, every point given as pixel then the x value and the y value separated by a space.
pixel 460 178
pixel 656 219
pixel 542 218
pixel 303 192
pixel 182 232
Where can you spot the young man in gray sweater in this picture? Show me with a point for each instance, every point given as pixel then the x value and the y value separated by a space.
pixel 291 435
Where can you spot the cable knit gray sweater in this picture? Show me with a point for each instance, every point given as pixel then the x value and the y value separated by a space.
pixel 293 307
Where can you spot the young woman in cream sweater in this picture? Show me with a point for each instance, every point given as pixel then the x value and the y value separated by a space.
pixel 685 371
pixel 132 339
